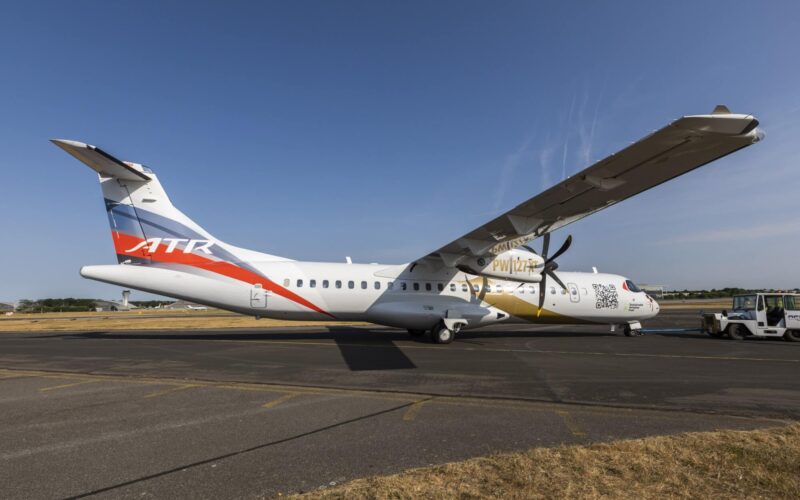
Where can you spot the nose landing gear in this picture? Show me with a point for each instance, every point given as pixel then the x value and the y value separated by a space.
pixel 633 329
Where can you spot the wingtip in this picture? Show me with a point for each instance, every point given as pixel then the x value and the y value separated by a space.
pixel 66 142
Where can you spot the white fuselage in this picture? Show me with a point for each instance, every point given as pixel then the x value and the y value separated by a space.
pixel 406 296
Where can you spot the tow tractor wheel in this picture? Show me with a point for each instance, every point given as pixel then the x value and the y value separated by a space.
pixel 792 335
pixel 443 335
pixel 735 332
pixel 416 333
pixel 629 332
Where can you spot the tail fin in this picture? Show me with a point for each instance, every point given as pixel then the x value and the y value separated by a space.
pixel 142 218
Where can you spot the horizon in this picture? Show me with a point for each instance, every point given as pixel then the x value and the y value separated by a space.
pixel 382 131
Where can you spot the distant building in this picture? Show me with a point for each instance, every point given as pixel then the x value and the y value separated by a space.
pixel 655 291
pixel 183 304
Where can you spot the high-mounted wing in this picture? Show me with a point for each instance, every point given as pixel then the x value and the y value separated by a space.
pixel 682 146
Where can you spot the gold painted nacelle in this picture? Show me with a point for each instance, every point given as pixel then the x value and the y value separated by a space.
pixel 513 265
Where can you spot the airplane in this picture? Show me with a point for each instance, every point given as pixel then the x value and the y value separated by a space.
pixel 491 275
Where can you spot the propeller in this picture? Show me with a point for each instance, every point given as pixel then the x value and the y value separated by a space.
pixel 549 266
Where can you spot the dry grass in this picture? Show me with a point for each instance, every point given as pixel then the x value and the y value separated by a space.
pixel 725 464
pixel 146 320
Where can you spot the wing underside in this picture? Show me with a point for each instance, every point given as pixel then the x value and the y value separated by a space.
pixel 680 147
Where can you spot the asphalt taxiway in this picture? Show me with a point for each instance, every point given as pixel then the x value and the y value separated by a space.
pixel 243 413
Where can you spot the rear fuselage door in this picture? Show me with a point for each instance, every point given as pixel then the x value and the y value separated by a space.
pixel 258 297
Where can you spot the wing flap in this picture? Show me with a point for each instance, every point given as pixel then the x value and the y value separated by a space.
pixel 100 161
pixel 682 146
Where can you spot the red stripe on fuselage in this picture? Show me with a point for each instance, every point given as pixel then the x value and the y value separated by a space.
pixel 124 242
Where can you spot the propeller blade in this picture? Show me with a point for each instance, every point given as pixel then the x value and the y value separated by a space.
pixel 542 288
pixel 564 248
pixel 553 275
pixel 545 245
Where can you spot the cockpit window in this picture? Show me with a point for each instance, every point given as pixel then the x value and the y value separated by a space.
pixel 632 286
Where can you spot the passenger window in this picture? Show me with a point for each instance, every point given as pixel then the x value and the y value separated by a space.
pixel 531 289
pixel 312 283
pixel 475 288
pixel 324 283
pixel 464 288
pixel 363 285
pixel 390 285
pixel 552 290
pixel 452 287
pixel 338 284
pixel 521 289
pixel 439 286
pixel 563 292
pixel 351 284
pixel 428 287
pixel 299 283
pixel 416 286
pixel 286 282
pixel 377 285
pixel 403 286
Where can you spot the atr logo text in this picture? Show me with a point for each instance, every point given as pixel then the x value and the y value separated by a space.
pixel 172 243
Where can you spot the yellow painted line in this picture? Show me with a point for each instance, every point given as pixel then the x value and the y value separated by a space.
pixel 170 390
pixel 532 351
pixel 485 402
pixel 279 401
pixel 71 384
pixel 573 426
pixel 414 409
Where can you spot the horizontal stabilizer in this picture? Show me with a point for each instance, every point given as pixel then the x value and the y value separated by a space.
pixel 100 161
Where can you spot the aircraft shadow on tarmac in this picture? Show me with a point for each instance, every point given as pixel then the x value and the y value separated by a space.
pixel 362 348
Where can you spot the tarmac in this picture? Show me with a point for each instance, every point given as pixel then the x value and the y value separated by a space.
pixel 254 413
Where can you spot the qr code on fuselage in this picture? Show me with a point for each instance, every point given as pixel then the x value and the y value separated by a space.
pixel 606 295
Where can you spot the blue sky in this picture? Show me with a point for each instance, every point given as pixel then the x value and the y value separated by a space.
pixel 382 130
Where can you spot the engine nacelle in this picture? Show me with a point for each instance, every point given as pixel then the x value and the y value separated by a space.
pixel 513 265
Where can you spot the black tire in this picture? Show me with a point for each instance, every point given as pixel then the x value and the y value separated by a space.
pixel 629 332
pixel 442 335
pixel 792 335
pixel 735 332
pixel 416 333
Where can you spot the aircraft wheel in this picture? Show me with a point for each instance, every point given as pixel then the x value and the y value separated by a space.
pixel 443 335
pixel 416 333
pixel 735 332
pixel 629 332
pixel 792 335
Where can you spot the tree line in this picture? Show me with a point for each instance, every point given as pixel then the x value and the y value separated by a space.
pixel 71 304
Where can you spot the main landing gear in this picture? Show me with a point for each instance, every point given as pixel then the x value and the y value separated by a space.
pixel 444 332
pixel 442 335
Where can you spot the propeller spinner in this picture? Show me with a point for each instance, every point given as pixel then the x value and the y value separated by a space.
pixel 550 265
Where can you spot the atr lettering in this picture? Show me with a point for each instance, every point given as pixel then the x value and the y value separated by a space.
pixel 172 243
